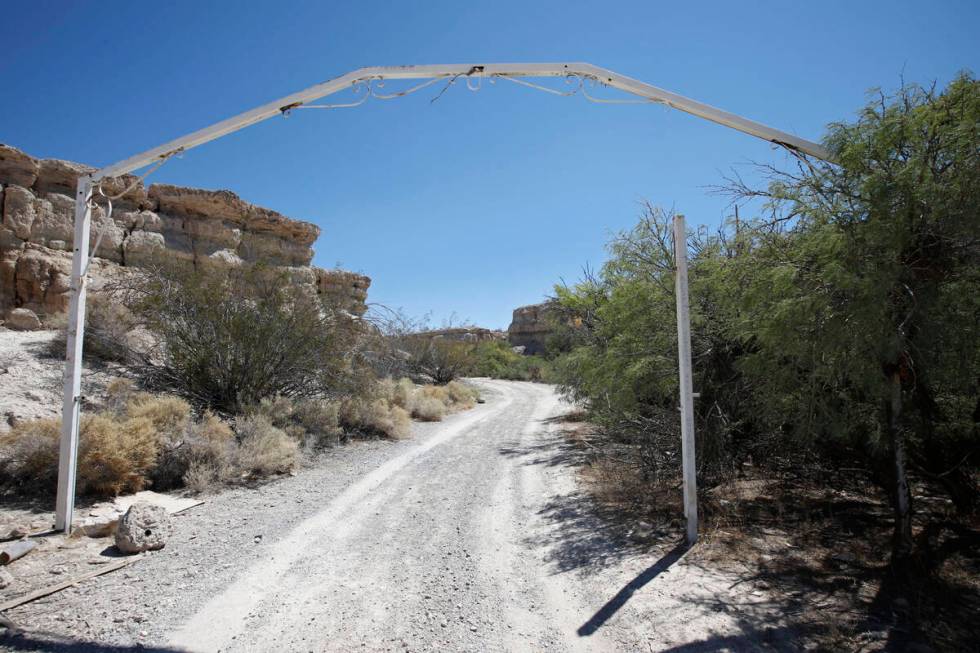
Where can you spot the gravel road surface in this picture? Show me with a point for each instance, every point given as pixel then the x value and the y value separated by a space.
pixel 472 536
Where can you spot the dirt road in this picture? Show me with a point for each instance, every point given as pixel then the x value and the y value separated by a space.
pixel 425 552
pixel 472 536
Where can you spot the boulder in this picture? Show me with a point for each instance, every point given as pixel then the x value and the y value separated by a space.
pixel 20 208
pixel 17 167
pixel 144 527
pixel 42 279
pixel 23 319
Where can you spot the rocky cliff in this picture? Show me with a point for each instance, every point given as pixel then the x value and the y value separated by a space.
pixel 198 226
pixel 463 334
pixel 531 327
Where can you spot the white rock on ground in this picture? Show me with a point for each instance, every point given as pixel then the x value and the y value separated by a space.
pixel 144 527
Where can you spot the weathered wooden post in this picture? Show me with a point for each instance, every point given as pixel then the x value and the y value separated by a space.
pixel 686 386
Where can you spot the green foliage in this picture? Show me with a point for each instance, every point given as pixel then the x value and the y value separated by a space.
pixel 846 324
pixel 229 338
pixel 498 360
pixel 436 359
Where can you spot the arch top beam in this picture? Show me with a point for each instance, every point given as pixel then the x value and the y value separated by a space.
pixel 338 84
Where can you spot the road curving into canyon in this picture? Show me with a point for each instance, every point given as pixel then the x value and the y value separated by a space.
pixel 428 551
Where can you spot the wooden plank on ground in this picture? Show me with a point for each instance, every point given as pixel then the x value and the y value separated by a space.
pixel 51 589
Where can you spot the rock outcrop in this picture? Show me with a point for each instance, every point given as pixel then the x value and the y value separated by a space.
pixel 531 327
pixel 199 226
pixel 463 334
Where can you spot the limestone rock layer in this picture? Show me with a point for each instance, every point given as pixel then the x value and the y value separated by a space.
pixel 37 206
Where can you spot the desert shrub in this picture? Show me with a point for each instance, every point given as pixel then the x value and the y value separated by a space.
pixel 436 392
pixel 498 360
pixel 436 359
pixel 201 476
pixel 313 422
pixel 429 409
pixel 115 456
pixel 119 391
pixel 263 448
pixel 374 417
pixel 838 328
pixel 171 420
pixel 399 393
pixel 29 454
pixel 229 338
pixel 320 419
pixel 462 395
pixel 108 324
pixel 210 452
pixel 169 415
pixel 430 403
pixel 278 409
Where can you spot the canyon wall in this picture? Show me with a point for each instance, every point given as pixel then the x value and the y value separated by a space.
pixel 198 226
pixel 531 327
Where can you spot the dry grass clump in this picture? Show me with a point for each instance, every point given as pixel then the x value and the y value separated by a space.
pixel 138 441
pixel 428 409
pixel 462 395
pixel 211 450
pixel 144 440
pixel 375 417
pixel 313 423
pixel 264 449
pixel 429 403
pixel 29 453
pixel 400 393
pixel 115 456
pixel 118 393
pixel 170 415
pixel 320 419
pixel 171 420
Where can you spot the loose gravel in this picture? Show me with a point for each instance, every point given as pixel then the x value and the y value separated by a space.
pixel 472 536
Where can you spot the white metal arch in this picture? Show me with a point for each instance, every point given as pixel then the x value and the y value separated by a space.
pixel 76 326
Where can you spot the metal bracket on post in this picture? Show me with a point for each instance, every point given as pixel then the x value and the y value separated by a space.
pixel 71 406
pixel 686 385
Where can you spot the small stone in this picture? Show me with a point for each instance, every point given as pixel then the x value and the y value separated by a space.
pixel 6 578
pixel 144 527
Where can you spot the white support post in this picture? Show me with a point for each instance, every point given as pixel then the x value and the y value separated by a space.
pixel 686 380
pixel 71 406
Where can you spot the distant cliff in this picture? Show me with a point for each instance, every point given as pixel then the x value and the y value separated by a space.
pixel 531 327
pixel 199 226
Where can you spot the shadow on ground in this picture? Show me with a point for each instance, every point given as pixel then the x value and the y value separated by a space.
pixel 583 534
pixel 43 641
pixel 613 605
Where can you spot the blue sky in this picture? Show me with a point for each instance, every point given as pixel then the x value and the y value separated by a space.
pixel 479 202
